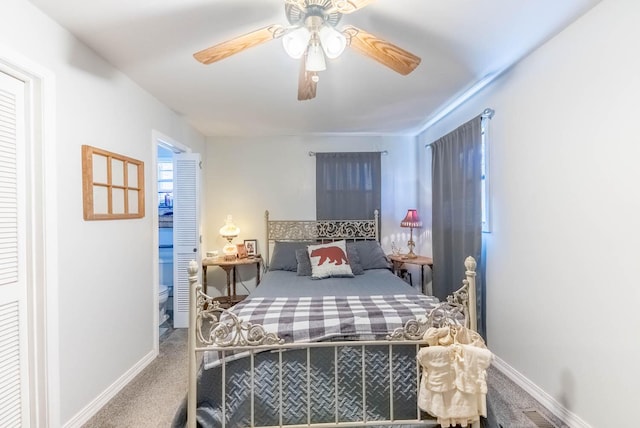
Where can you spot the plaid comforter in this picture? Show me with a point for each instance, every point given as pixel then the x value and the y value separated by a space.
pixel 310 319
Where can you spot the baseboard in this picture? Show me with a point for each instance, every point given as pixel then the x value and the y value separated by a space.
pixel 92 408
pixel 546 400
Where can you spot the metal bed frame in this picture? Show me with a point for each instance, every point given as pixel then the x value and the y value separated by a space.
pixel 319 230
pixel 212 328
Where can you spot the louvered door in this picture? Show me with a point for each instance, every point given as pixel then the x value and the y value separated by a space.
pixel 186 230
pixel 14 374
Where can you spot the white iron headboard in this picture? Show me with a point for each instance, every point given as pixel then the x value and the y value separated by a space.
pixel 319 230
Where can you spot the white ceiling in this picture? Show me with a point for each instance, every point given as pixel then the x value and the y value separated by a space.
pixel 254 92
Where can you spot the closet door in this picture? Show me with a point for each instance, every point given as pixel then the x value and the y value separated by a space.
pixel 186 230
pixel 14 369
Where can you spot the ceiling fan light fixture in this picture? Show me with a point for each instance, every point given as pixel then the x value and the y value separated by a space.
pixel 315 58
pixel 333 42
pixel 295 42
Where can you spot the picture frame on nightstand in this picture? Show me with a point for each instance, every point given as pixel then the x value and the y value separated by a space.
pixel 252 247
pixel 242 251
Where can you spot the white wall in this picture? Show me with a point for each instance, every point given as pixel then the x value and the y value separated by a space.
pixel 106 292
pixel 564 248
pixel 246 176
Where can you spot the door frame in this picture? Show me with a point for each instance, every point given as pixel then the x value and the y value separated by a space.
pixel 42 237
pixel 157 139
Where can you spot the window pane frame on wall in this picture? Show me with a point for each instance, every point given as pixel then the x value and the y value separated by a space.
pixel 109 181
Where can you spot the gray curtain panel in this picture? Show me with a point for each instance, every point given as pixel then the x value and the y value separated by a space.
pixel 457 215
pixel 348 185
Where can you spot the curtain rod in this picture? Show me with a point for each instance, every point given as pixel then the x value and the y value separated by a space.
pixel 384 153
pixel 487 113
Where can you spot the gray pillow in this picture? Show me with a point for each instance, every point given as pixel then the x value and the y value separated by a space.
pixel 284 255
pixel 354 259
pixel 304 263
pixel 371 255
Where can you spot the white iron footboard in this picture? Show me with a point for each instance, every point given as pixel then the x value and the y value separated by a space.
pixel 306 395
pixel 232 336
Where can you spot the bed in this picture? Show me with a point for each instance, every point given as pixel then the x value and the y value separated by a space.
pixel 307 348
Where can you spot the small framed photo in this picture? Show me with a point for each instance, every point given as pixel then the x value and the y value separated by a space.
pixel 242 251
pixel 252 247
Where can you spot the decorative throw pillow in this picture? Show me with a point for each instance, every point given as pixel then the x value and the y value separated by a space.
pixel 284 255
pixel 304 264
pixel 329 260
pixel 372 256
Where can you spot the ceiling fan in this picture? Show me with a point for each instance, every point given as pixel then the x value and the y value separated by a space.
pixel 312 37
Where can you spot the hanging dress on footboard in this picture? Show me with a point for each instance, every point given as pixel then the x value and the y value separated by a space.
pixel 453 385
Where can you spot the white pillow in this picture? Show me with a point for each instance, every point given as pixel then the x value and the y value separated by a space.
pixel 329 260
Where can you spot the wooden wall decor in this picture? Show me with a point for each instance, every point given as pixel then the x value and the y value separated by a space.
pixel 112 185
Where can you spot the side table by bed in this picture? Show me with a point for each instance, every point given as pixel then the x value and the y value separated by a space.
pixel 230 268
pixel 422 261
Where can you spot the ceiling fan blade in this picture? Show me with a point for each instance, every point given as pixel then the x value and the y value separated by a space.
pixel 233 46
pixel 306 84
pixel 386 53
pixel 348 6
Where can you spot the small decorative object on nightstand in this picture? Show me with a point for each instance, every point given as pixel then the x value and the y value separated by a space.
pixel 242 251
pixel 395 250
pixel 411 220
pixel 251 246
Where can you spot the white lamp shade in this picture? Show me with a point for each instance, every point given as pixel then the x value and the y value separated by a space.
pixel 333 41
pixel 295 42
pixel 229 230
pixel 315 58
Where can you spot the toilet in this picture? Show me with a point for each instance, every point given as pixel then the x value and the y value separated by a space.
pixel 162 300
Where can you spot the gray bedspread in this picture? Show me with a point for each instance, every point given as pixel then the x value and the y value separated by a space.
pixel 325 396
pixel 281 283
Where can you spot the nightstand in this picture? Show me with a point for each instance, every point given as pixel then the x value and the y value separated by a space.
pixel 230 268
pixel 422 261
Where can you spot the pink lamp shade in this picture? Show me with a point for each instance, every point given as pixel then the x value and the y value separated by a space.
pixel 411 219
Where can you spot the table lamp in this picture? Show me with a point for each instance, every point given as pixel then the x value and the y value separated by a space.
pixel 411 220
pixel 229 231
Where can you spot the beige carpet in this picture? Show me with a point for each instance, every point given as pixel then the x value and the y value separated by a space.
pixel 153 397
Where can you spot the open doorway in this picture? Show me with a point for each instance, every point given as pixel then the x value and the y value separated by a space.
pixel 177 223
pixel 165 238
pixel 165 150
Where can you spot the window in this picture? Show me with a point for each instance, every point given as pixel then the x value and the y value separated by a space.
pixel 165 184
pixel 348 185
